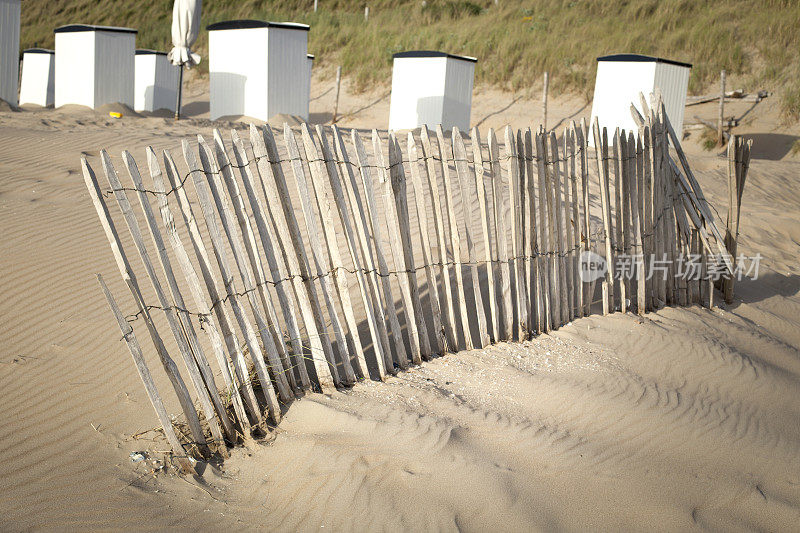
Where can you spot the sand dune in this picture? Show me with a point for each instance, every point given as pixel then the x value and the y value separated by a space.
pixel 684 419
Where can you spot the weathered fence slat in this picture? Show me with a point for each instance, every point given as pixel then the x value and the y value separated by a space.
pixel 601 147
pixel 517 252
pixel 449 321
pixel 467 184
pixel 535 270
pixel 500 210
pixel 481 176
pixel 545 234
pixel 427 259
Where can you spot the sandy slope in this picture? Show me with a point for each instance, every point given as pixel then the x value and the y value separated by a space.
pixel 685 419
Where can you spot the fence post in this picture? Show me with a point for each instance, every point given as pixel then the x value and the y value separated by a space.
pixel 336 102
pixel 544 99
pixel 720 125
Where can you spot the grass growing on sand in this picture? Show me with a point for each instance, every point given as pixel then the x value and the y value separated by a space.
pixel 756 41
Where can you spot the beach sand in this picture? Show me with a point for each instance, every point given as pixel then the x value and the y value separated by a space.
pixel 687 418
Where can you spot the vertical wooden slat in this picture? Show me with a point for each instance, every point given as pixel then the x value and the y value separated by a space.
pixel 192 366
pixel 147 379
pixel 516 230
pixel 525 240
pixel 559 207
pixel 547 237
pixel 587 228
pixel 221 312
pixel 171 369
pixel 427 256
pixel 569 245
pixel 620 175
pixel 273 185
pixel 601 148
pixel 466 186
pixel 500 210
pixel 455 239
pixel 390 310
pixel 321 165
pixel 482 176
pixel 221 255
pixel 535 289
pixel 637 248
pixel 320 263
pixel 431 160
pixel 577 226
pixel 646 194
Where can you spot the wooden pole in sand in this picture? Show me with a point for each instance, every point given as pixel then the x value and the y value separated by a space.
pixel 544 99
pixel 720 136
pixel 336 102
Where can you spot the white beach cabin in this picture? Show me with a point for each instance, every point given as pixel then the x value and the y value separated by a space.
pixel 38 77
pixel 431 88
pixel 258 68
pixel 9 50
pixel 94 65
pixel 156 85
pixel 620 79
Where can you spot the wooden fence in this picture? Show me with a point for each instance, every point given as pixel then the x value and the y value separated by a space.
pixel 321 262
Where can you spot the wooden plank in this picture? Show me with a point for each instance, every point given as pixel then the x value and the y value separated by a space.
pixel 273 185
pixel 199 297
pixel 212 172
pixel 167 306
pixel 432 160
pixel 447 157
pixel 637 215
pixel 481 178
pixel 525 248
pixel 320 259
pixel 370 290
pixel 516 232
pixel 559 205
pixel 500 210
pixel 179 453
pixel 467 185
pixel 337 191
pixel 427 254
pixel 320 165
pixel 601 148
pixel 397 211
pixel 546 235
pixel 181 309
pixel 588 241
pixel 221 312
pixel 535 288
pixel 574 154
pixel 253 268
pixel 646 213
pixel 390 311
pixel 569 221
pixel 620 170
pixel 220 253
pixel 274 257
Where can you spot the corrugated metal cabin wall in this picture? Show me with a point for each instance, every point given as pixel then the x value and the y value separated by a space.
pixel 457 105
pixel 617 86
pixel 166 76
pixel 674 83
pixel 114 54
pixel 75 68
pixel 38 73
pixel 287 53
pixel 417 97
pixel 144 82
pixel 9 50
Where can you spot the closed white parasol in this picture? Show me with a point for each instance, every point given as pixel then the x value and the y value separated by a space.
pixel 185 27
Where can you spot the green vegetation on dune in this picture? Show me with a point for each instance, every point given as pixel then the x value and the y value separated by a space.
pixel 756 41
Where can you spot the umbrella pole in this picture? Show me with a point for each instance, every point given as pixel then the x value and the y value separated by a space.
pixel 180 89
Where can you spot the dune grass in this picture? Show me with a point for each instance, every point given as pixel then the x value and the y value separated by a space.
pixel 756 41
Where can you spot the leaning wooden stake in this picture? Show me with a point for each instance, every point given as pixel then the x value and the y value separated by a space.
pixel 147 379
